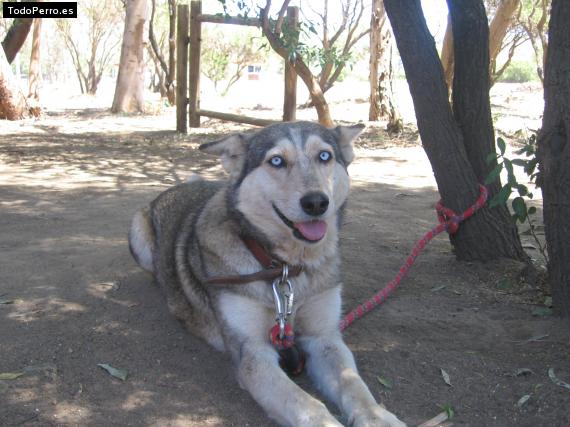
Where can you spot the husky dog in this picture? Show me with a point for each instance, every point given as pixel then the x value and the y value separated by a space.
pixel 247 262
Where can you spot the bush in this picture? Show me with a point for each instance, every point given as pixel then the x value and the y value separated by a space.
pixel 519 72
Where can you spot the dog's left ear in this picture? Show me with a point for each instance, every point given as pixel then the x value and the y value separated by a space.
pixel 346 136
pixel 231 151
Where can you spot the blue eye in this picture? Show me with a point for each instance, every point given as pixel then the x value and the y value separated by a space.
pixel 325 156
pixel 277 161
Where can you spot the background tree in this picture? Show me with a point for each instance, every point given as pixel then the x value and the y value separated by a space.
pixel 456 142
pixel 130 79
pixel 16 36
pixel 504 36
pixel 13 105
pixel 382 103
pixel 336 44
pixel 291 44
pixel 164 47
pixel 533 20
pixel 554 155
pixel 92 55
pixel 225 57
pixel 34 75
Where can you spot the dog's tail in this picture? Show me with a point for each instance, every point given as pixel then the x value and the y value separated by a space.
pixel 141 239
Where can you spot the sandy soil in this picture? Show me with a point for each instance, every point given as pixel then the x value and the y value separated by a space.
pixel 71 297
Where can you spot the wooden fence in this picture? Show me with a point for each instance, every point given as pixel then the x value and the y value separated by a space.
pixel 188 50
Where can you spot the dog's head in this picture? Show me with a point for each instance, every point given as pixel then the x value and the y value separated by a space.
pixel 289 180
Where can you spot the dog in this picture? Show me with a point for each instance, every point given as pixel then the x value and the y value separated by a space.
pixel 251 265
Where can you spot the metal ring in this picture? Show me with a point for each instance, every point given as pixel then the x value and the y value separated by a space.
pixel 285 273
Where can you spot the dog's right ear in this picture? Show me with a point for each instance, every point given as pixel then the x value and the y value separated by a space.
pixel 231 151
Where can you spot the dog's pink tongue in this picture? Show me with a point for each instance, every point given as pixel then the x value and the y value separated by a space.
pixel 312 230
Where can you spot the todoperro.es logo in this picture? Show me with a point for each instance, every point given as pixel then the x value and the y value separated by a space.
pixel 54 9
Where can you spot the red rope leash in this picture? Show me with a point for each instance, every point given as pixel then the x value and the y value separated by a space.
pixel 448 221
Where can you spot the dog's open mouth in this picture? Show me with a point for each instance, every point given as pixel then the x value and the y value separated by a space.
pixel 310 231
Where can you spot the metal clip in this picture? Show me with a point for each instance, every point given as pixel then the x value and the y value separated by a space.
pixel 283 299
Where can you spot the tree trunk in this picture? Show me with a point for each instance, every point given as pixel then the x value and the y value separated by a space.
pixel 35 73
pixel 13 104
pixel 498 28
pixel 381 71
pixel 171 77
pixel 484 236
pixel 554 155
pixel 130 79
pixel 376 23
pixel 167 68
pixel 447 54
pixel 16 36
pixel 471 104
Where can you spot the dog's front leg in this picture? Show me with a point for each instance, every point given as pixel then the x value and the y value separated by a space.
pixel 331 365
pixel 281 398
pixel 246 327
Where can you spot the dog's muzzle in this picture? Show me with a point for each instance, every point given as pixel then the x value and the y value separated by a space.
pixel 310 231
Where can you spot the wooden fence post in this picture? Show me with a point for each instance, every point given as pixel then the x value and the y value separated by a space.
pixel 181 67
pixel 290 95
pixel 194 73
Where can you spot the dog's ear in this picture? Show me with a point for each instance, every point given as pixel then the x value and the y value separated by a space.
pixel 231 151
pixel 346 136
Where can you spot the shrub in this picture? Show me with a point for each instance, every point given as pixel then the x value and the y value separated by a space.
pixel 519 72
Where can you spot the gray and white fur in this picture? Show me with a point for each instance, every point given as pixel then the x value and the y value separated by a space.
pixel 287 187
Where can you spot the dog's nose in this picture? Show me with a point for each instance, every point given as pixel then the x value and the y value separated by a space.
pixel 315 203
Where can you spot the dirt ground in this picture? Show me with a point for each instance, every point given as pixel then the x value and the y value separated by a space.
pixel 71 297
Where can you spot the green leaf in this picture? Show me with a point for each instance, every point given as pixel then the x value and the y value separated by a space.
pixel 512 179
pixel 10 375
pixel 115 372
pixel 491 157
pixel 522 189
pixel 494 174
pixel 502 145
pixel 519 162
pixel 519 206
pixel 385 382
pixel 448 410
pixel 501 197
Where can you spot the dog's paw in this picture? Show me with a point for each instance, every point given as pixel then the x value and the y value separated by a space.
pixel 378 417
pixel 317 417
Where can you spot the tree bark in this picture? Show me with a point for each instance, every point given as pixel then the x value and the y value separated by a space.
pixel 130 79
pixel 13 104
pixel 471 103
pixel 554 155
pixel 376 24
pixel 484 236
pixel 167 68
pixel 16 36
pixel 498 28
pixel 382 104
pixel 447 54
pixel 35 73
